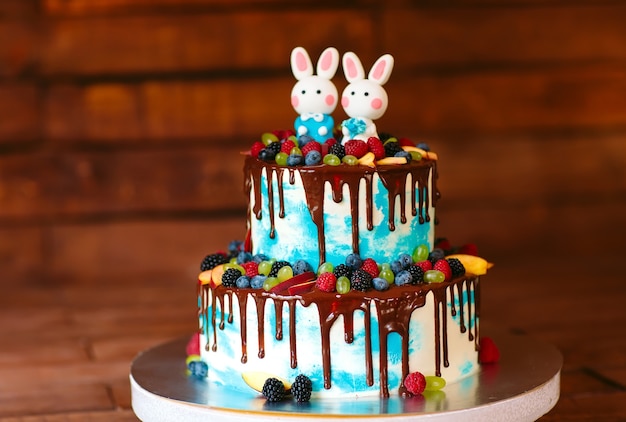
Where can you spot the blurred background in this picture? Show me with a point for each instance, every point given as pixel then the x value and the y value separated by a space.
pixel 121 124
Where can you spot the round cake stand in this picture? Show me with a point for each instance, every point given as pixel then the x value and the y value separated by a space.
pixel 523 386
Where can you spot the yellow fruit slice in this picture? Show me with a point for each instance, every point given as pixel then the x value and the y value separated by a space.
pixel 474 265
pixel 205 276
pixel 368 160
pixel 218 272
pixel 256 379
pixel 391 160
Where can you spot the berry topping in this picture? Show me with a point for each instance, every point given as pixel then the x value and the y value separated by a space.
pixel 342 270
pixel 417 274
pixel 403 277
pixel 370 266
pixel 251 267
pixel 276 266
pixel 273 390
pixel 326 282
pixel 415 383
pixel 198 368
pixel 230 276
pixel 391 148
pixel 356 147
pixel 211 261
pixel 425 265
pixel 380 284
pixel 436 254
pixel 313 158
pixel 256 148
pixel 468 249
pixel 354 261
pixel 361 280
pixel 301 388
pixel 488 352
pixel 376 146
pixel 193 345
pixel 311 146
pixel 301 266
pixel 456 266
pixel 287 146
pixel 443 266
pixel 337 150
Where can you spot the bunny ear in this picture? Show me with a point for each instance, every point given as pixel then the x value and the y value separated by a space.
pixel 381 70
pixel 352 67
pixel 328 63
pixel 301 65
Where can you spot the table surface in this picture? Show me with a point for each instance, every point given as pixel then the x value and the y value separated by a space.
pixel 65 350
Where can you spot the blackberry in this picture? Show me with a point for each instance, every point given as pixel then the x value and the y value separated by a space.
pixel 383 136
pixel 457 267
pixel 301 388
pixel 338 150
pixel 211 261
pixel 417 274
pixel 266 154
pixel 274 147
pixel 342 270
pixel 273 390
pixel 392 148
pixel 230 276
pixel 277 266
pixel 361 280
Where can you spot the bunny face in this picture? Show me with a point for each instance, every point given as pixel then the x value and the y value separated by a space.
pixel 364 98
pixel 314 93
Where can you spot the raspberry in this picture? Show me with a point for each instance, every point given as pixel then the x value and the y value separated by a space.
pixel 277 266
pixel 425 265
pixel 326 282
pixel 488 352
pixel 287 146
pixel 392 148
pixel 370 266
pixel 251 267
pixel 417 274
pixel 361 280
pixel 338 150
pixel 273 389
pixel 311 146
pixel 443 266
pixel 330 141
pixel 342 270
pixel 256 148
pixel 415 383
pixel 469 249
pixel 301 388
pixel 283 134
pixel 211 261
pixel 230 276
pixel 456 266
pixel 376 146
pixel 406 142
pixel 356 147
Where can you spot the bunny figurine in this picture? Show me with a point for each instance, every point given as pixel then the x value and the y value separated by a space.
pixel 364 100
pixel 314 97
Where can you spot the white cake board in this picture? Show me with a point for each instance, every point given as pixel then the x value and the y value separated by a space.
pixel 523 386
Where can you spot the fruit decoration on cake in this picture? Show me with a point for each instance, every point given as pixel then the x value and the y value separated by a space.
pixel 340 288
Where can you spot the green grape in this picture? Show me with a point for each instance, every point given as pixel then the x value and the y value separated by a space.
pixel 416 156
pixel 265 267
pixel 343 285
pixel 392 139
pixel 434 396
pixel 232 264
pixel 434 276
pixel 268 138
pixel 387 274
pixel 293 138
pixel 295 151
pixel 420 253
pixel 434 383
pixel 285 273
pixel 281 159
pixel 350 160
pixel 326 267
pixel 385 266
pixel 269 283
pixel 331 160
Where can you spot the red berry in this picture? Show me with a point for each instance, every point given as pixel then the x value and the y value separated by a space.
pixel 425 265
pixel 313 145
pixel 469 249
pixel 443 266
pixel 283 134
pixel 488 352
pixel 376 146
pixel 356 147
pixel 415 383
pixel 256 148
pixel 443 243
pixel 287 146
pixel 405 142
pixel 371 267
pixel 251 267
pixel 326 282
pixel 330 142
pixel 193 345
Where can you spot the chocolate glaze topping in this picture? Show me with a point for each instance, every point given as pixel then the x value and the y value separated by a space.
pixel 394 308
pixel 314 179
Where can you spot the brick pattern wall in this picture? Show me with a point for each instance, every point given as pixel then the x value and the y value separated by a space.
pixel 121 121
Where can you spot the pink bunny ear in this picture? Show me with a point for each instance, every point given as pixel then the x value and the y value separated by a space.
pixel 328 63
pixel 352 67
pixel 301 65
pixel 381 71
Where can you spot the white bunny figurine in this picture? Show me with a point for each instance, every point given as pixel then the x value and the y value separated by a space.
pixel 364 100
pixel 314 97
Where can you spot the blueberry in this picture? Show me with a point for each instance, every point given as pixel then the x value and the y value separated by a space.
pixel 436 254
pixel 396 267
pixel 295 160
pixel 405 260
pixel 258 258
pixel 243 257
pixel 424 146
pixel 380 284
pixel 304 139
pixel 300 266
pixel 235 246
pixel 403 277
pixel 267 155
pixel 257 281
pixel 243 282
pixel 198 368
pixel 312 158
pixel 404 154
pixel 354 261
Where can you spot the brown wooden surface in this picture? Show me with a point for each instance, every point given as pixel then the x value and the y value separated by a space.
pixel 121 123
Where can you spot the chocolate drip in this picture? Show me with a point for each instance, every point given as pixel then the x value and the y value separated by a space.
pixel 281 195
pixel 278 309
pixel 292 334
pixel 260 311
pixel 242 297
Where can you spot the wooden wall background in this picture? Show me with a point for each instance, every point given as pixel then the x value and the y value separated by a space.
pixel 121 122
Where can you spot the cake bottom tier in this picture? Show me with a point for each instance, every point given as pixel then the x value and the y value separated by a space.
pixel 356 344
